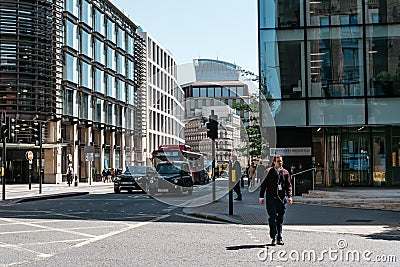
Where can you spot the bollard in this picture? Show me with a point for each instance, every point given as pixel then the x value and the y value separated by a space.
pixel 76 181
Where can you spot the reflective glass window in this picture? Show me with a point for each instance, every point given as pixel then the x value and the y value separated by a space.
pixel 335 62
pixel 121 38
pixel 383 110
pixel 111 58
pixel 196 92
pixel 70 70
pixel 383 55
pixel 99 51
pixel 99 85
pixel 289 112
pixel 131 69
pixel 86 13
pixel 333 12
pixel 99 22
pixel 121 64
pixel 84 106
pixel 282 63
pixel 72 6
pixel 240 91
pixel 282 14
pixel 337 112
pixel 111 35
pixel 210 91
pixel 382 11
pixel 71 34
pixel 225 92
pixel 130 94
pixel 111 86
pixel 130 46
pixel 86 75
pixel 86 44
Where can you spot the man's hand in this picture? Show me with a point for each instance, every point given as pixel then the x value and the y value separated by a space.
pixel 290 201
pixel 261 200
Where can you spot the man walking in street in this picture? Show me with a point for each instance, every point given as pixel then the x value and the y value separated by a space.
pixel 70 172
pixel 235 165
pixel 277 186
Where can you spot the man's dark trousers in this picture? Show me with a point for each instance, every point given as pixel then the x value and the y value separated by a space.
pixel 276 211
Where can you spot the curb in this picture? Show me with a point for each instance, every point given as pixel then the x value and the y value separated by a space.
pixel 212 216
pixel 41 197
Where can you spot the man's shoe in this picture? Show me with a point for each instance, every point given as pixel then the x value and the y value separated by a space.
pixel 238 198
pixel 273 242
pixel 280 242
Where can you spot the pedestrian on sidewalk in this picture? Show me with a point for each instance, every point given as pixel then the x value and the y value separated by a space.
pixel 260 172
pixel 235 165
pixel 70 172
pixel 277 187
pixel 250 173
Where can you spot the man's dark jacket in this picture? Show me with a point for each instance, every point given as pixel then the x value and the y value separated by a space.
pixel 270 184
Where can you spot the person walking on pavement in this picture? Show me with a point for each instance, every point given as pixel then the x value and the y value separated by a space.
pixel 250 173
pixel 70 171
pixel 277 186
pixel 260 171
pixel 235 165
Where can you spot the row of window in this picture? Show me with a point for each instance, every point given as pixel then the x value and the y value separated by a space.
pixel 339 62
pixel 85 75
pixel 293 13
pixel 101 24
pixel 229 91
pixel 84 106
pixel 97 50
pixel 334 112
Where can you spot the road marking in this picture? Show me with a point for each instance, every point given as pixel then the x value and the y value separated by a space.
pixel 130 227
pixel 47 228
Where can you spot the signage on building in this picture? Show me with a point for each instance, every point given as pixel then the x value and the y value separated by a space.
pixel 291 151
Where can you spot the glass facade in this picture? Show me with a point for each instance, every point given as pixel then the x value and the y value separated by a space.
pixel 330 64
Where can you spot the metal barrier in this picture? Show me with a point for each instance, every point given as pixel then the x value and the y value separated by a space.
pixel 294 180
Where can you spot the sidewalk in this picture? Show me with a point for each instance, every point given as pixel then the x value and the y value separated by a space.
pixel 248 211
pixel 17 193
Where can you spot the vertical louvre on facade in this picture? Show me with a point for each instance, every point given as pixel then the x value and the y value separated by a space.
pixel 140 85
pixel 28 58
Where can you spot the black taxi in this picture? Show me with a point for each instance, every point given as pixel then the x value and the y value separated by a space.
pixel 172 177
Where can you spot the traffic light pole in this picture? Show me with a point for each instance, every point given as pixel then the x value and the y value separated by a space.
pixel 3 169
pixel 40 158
pixel 213 169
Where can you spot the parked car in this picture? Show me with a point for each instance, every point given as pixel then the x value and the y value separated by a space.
pixel 134 178
pixel 172 177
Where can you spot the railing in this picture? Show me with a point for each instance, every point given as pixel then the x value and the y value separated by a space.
pixel 294 180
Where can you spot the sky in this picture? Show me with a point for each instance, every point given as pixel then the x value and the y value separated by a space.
pixel 214 29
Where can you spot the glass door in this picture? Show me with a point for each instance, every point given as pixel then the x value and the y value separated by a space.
pixel 378 158
pixel 356 156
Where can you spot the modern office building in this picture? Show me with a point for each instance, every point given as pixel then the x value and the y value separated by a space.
pixel 216 86
pixel 78 68
pixel 330 70
pixel 164 107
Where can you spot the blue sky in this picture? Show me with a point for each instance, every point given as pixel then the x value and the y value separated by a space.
pixel 189 29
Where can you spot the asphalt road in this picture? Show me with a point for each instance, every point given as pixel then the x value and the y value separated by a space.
pixel 137 230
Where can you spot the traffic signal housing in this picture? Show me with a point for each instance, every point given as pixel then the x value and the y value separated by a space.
pixel 212 129
pixel 10 128
pixel 37 133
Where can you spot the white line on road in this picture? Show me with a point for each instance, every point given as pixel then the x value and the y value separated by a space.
pixel 98 238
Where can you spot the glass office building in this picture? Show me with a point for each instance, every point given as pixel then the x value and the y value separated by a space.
pixel 330 70
pixel 78 67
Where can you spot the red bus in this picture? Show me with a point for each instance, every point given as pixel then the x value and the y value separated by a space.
pixel 182 153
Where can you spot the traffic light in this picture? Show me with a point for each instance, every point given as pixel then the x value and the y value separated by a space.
pixel 212 129
pixel 3 130
pixel 37 133
pixel 10 128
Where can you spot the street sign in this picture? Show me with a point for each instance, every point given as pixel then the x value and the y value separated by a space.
pixel 29 155
pixel 89 156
